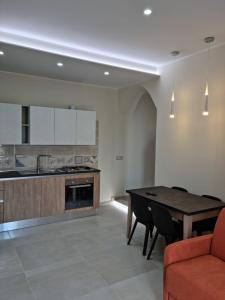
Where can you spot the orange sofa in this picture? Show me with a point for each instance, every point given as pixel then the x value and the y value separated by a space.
pixel 194 269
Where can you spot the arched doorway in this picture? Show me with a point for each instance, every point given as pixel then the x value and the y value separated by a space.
pixel 141 139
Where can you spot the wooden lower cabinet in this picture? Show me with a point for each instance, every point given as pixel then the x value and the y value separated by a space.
pixel 42 197
pixel 53 196
pixel 22 199
pixel 33 198
pixel 96 203
pixel 2 198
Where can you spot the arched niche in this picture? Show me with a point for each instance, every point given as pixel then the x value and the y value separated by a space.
pixel 140 141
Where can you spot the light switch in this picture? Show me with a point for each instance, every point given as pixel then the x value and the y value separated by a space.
pixel 119 157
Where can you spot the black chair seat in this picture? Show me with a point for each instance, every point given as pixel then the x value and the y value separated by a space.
pixel 165 226
pixel 204 225
pixel 142 212
pixel 208 224
pixel 145 222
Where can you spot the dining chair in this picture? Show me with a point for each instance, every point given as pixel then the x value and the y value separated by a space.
pixel 165 226
pixel 207 224
pixel 179 189
pixel 142 212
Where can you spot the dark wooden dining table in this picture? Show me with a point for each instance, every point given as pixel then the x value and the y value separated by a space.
pixel 183 206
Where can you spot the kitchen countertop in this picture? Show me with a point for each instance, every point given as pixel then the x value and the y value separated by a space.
pixel 26 174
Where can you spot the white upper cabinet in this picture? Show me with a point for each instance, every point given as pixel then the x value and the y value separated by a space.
pixel 85 127
pixel 41 125
pixel 10 124
pixel 65 126
pixel 47 126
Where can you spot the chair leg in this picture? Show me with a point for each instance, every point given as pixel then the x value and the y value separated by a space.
pixel 147 230
pixel 152 245
pixel 132 232
pixel 151 231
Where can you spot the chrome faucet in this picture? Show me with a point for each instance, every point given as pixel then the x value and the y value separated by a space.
pixel 39 161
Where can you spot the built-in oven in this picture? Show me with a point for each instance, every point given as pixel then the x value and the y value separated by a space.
pixel 79 193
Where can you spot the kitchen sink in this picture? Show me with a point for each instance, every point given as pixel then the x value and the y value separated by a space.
pixel 27 172
pixel 35 173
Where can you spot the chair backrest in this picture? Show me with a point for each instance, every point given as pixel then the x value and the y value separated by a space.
pixel 218 241
pixel 141 209
pixel 179 189
pixel 211 197
pixel 163 220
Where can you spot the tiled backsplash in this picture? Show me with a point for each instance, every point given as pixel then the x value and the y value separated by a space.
pixel 25 156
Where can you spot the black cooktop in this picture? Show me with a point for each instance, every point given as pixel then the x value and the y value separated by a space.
pixel 74 169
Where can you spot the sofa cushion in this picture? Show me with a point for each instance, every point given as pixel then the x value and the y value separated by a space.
pixel 218 241
pixel 201 278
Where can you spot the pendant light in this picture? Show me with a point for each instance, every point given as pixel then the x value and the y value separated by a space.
pixel 205 113
pixel 172 115
pixel 172 100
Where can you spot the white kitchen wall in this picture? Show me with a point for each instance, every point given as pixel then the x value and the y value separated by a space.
pixel 190 150
pixel 31 90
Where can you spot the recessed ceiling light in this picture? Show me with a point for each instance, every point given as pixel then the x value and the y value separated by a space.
pixel 60 64
pixel 106 73
pixel 1 52
pixel 147 12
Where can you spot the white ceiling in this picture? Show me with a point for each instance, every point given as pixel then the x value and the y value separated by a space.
pixel 114 32
pixel 33 62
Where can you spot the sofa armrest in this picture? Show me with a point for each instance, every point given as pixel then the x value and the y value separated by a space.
pixel 187 249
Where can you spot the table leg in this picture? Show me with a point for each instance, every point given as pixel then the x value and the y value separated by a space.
pixel 129 217
pixel 187 227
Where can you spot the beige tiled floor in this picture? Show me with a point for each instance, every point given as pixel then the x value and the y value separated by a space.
pixel 85 259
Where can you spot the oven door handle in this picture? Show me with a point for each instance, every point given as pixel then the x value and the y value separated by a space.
pixel 79 186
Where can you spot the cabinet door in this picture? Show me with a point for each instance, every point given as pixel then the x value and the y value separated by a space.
pixel 22 199
pixel 53 196
pixel 65 122
pixel 85 127
pixel 10 124
pixel 41 125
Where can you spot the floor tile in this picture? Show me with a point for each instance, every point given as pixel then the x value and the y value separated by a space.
pixel 146 286
pixel 101 294
pixel 15 288
pixel 120 263
pixel 4 236
pixel 67 283
pixel 46 253
pixel 31 235
pixel 10 265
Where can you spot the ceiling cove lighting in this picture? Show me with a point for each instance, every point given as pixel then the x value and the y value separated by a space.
pixel 76 51
pixel 147 12
pixel 208 40
pixel 2 52
pixel 172 100
pixel 60 64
